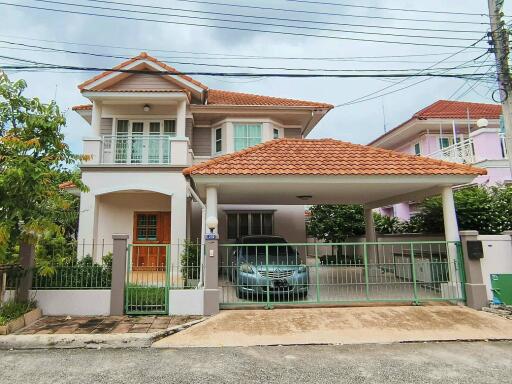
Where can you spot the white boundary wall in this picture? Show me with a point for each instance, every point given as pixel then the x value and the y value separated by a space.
pixel 72 302
pixel 497 257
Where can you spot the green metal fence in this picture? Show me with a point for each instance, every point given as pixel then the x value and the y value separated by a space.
pixel 340 273
pixel 154 269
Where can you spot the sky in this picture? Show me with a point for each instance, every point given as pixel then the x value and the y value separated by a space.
pixel 179 44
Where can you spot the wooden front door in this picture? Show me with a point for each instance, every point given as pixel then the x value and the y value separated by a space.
pixel 151 234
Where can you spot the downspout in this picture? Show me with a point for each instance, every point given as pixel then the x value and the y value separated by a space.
pixel 203 230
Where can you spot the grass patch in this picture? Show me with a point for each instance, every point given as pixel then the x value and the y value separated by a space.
pixel 145 298
pixel 13 309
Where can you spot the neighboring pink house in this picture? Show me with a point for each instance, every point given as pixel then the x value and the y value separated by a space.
pixel 455 131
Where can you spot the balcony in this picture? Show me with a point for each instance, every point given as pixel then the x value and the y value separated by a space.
pixel 461 152
pixel 137 150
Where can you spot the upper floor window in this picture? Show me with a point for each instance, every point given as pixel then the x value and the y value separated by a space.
pixel 276 133
pixel 218 140
pixel 170 127
pixel 247 135
pixel 417 149
pixel 444 142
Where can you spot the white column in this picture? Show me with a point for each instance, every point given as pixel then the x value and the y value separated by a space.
pixel 181 117
pixel 451 228
pixel 88 222
pixel 96 117
pixel 211 203
pixel 451 233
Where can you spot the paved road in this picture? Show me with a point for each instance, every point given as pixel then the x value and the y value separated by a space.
pixel 478 362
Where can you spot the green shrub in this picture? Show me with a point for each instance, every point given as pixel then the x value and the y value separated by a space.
pixel 190 261
pixel 13 309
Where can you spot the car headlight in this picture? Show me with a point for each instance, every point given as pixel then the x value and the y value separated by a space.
pixel 246 268
pixel 302 269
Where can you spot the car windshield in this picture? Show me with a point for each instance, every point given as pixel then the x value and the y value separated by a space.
pixel 278 254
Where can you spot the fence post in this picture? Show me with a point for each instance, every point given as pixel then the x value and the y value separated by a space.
pixel 476 291
pixel 27 257
pixel 211 277
pixel 118 274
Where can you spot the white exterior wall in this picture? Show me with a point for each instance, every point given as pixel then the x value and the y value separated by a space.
pixel 497 257
pixel 116 194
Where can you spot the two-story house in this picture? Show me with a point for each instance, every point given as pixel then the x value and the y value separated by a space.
pixel 148 127
pixel 455 131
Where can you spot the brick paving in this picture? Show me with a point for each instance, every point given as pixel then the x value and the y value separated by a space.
pixel 103 324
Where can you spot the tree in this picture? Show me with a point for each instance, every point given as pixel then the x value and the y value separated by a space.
pixel 34 160
pixel 336 223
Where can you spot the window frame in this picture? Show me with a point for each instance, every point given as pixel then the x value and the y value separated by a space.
pixel 250 223
pixel 276 134
pixel 247 138
pixel 417 149
pixel 217 140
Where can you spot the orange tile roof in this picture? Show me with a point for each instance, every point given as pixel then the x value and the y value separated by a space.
pixel 325 157
pixel 446 109
pixel 219 97
pixel 142 56
pixel 82 107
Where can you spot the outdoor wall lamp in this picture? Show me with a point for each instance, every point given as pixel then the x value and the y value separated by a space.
pixel 147 108
pixel 211 223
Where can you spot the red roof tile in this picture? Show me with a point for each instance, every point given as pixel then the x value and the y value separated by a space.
pixel 142 56
pixel 219 97
pixel 67 185
pixel 82 107
pixel 325 157
pixel 445 109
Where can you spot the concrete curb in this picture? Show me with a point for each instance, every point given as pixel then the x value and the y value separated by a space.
pixel 90 341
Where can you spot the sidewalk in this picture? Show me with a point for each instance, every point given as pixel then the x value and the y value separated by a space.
pixel 361 325
pixel 96 332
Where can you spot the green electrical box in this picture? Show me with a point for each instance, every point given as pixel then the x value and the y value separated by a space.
pixel 502 288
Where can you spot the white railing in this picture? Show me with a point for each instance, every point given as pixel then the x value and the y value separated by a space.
pixel 136 149
pixel 503 146
pixel 461 152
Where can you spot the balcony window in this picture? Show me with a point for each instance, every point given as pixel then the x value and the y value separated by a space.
pixel 276 133
pixel 247 135
pixel 417 149
pixel 444 142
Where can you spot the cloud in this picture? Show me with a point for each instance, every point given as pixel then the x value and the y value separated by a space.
pixel 358 123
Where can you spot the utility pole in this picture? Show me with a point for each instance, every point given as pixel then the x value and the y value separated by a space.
pixel 500 40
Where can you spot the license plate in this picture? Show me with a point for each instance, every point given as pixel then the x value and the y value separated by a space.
pixel 279 283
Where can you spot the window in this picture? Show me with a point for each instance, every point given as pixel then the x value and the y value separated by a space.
pixel 250 223
pixel 147 225
pixel 276 133
pixel 247 135
pixel 218 140
pixel 417 149
pixel 444 142
pixel 170 127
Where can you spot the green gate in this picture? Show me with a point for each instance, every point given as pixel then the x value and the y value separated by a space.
pixel 147 279
pixel 340 273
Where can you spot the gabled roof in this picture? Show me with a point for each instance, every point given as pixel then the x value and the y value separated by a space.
pixel 142 56
pixel 82 107
pixel 325 157
pixel 447 109
pixel 219 97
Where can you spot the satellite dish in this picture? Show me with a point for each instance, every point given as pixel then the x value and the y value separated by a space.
pixel 481 123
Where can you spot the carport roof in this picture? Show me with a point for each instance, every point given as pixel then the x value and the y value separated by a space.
pixel 325 157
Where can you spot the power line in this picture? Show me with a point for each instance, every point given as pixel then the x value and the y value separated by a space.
pixel 224 65
pixel 386 8
pixel 328 13
pixel 323 22
pixel 229 55
pixel 234 28
pixel 301 27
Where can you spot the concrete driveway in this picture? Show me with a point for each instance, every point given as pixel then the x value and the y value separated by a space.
pixel 361 325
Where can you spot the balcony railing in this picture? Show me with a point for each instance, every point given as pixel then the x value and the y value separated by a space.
pixel 136 149
pixel 461 152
